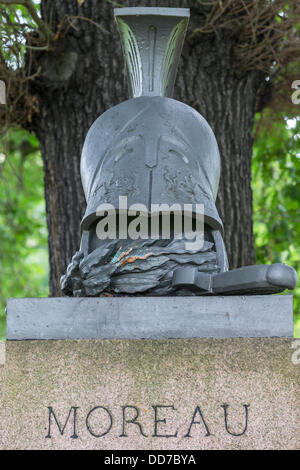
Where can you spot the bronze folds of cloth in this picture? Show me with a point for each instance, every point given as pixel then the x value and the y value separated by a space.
pixel 155 150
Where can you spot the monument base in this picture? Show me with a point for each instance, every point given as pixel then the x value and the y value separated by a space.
pixel 132 394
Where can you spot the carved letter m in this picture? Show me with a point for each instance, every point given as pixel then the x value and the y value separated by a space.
pixel 62 429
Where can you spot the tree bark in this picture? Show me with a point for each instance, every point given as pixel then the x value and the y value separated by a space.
pixel 84 75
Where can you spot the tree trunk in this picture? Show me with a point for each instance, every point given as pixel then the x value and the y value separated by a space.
pixel 84 76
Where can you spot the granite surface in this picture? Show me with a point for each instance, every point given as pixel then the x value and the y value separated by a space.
pixel 212 393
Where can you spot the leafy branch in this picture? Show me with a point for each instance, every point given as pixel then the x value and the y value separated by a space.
pixel 264 31
pixel 29 5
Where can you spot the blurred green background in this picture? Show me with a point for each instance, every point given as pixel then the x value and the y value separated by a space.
pixel 23 230
pixel 24 266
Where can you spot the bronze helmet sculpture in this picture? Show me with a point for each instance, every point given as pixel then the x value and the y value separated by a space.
pixel 155 150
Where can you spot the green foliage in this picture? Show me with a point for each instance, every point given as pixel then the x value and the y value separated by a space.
pixel 276 195
pixel 23 233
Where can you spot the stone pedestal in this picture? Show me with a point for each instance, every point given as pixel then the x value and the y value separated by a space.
pixel 150 394
pixel 150 317
pixel 77 374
